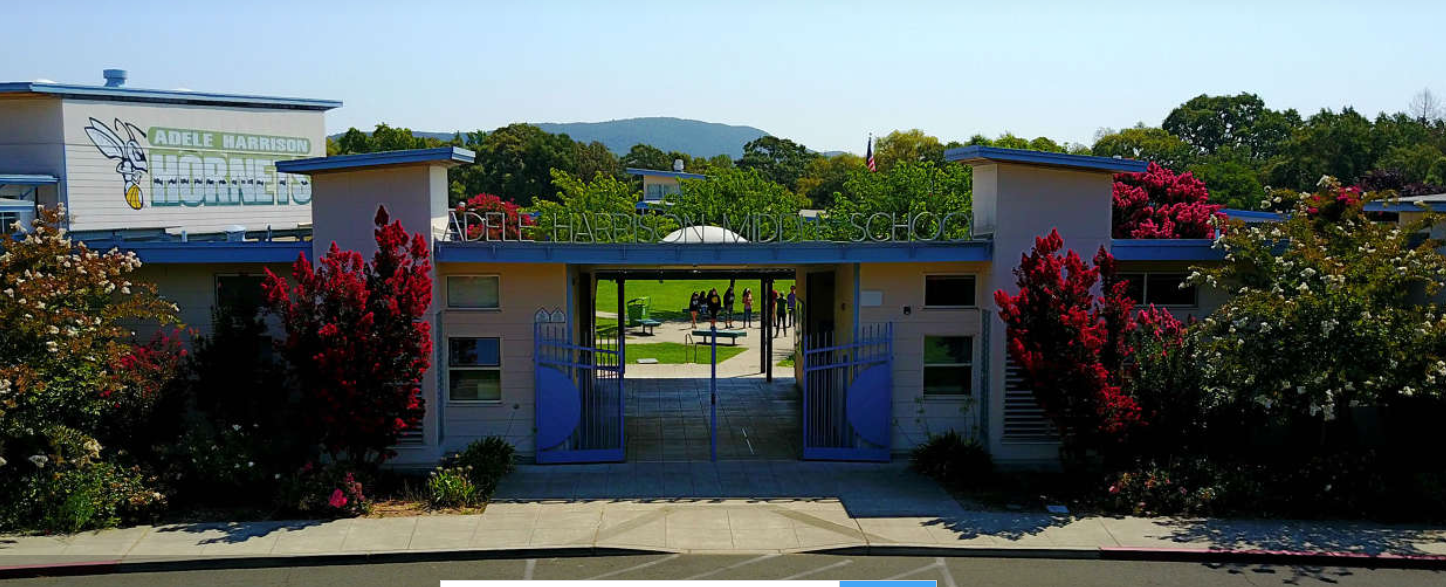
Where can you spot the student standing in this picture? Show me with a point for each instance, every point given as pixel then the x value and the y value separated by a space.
pixel 782 319
pixel 792 305
pixel 728 306
pixel 693 309
pixel 747 307
pixel 715 304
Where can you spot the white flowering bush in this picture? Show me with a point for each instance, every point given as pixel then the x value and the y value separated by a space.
pixel 68 364
pixel 1328 309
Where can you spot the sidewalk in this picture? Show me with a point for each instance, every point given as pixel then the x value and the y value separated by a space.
pixel 860 519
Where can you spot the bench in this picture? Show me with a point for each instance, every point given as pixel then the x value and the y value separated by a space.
pixel 648 324
pixel 731 335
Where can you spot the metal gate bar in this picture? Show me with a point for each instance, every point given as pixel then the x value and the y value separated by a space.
pixel 847 395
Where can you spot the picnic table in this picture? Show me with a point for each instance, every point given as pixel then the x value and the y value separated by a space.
pixel 648 324
pixel 731 335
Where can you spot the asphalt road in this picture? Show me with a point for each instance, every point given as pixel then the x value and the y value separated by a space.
pixel 949 572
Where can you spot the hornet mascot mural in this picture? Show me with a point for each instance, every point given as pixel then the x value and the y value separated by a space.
pixel 128 150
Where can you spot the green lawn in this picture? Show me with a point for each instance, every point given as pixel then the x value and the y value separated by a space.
pixel 672 353
pixel 670 298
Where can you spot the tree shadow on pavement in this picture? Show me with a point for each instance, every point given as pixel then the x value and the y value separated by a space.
pixel 237 532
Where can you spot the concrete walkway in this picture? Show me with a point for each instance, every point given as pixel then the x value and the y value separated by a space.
pixel 883 508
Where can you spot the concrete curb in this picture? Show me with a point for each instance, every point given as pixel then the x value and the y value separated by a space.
pixel 1187 555
pixel 158 564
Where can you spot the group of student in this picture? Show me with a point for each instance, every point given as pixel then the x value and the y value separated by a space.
pixel 711 305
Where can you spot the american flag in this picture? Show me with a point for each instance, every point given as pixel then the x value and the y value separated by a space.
pixel 870 155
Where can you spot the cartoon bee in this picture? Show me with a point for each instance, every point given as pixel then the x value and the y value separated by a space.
pixel 132 158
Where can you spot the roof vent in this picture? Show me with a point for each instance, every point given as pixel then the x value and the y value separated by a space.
pixel 114 78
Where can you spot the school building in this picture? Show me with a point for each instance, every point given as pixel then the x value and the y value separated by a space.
pixel 898 336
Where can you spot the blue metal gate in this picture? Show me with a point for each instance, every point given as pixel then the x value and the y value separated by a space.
pixel 579 394
pixel 847 395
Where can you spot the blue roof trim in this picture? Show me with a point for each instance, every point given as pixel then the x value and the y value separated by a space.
pixel 1185 249
pixel 1251 215
pixel 27 179
pixel 1400 206
pixel 208 252
pixel 168 96
pixel 804 253
pixel 1027 157
pixel 413 156
pixel 655 172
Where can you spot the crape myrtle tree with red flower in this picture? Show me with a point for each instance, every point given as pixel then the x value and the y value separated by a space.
pixel 1159 203
pixel 1076 346
pixel 356 342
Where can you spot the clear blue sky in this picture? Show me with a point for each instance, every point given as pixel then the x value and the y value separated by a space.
pixel 822 73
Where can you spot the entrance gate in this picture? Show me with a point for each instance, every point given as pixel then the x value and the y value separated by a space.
pixel 847 395
pixel 579 395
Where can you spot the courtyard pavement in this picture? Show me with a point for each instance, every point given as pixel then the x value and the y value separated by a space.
pixel 757 507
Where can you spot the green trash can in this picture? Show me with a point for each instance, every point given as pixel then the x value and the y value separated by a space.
pixel 638 310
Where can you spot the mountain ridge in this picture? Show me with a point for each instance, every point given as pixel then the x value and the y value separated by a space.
pixel 694 137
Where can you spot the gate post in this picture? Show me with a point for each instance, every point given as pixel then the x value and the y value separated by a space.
pixel 713 397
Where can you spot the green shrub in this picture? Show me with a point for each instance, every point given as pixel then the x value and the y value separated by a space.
pixel 953 460
pixel 451 487
pixel 68 500
pixel 1192 486
pixel 488 461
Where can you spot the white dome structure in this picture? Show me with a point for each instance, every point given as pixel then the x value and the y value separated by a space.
pixel 703 235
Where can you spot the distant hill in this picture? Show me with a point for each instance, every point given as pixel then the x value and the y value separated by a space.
pixel 694 137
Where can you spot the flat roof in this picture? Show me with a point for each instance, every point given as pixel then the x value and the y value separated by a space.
pixel 27 179
pixel 1159 249
pixel 126 94
pixel 167 252
pixel 445 155
pixel 658 173
pixel 750 254
pixel 979 153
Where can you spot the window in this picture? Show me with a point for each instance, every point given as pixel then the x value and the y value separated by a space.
pixel 1160 289
pixel 948 291
pixel 948 365
pixel 474 369
pixel 240 293
pixel 657 191
pixel 476 292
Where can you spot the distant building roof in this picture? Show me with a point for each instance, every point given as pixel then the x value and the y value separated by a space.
pixel 655 172
pixel 978 153
pixel 1251 216
pixel 125 94
pixel 1435 202
pixel 447 155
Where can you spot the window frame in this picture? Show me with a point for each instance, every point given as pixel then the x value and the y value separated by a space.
pixel 450 368
pixel 1145 289
pixel 447 292
pixel 924 297
pixel 216 288
pixel 925 364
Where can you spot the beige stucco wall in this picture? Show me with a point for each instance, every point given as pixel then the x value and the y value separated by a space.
pixel 192 287
pixel 901 285
pixel 96 192
pixel 524 289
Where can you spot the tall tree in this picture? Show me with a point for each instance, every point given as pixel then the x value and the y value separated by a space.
pixel 825 176
pixel 516 162
pixel 1210 123
pixel 1146 144
pixel 780 160
pixel 908 145
pixel 643 156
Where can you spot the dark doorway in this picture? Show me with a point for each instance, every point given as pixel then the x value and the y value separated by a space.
pixel 818 307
